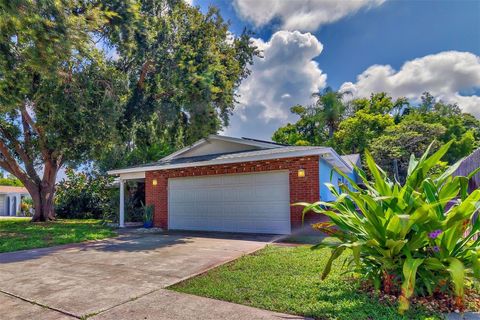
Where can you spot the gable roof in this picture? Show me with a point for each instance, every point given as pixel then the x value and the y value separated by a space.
pixel 353 159
pixel 255 144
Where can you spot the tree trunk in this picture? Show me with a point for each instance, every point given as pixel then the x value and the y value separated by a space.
pixel 43 195
pixel 331 130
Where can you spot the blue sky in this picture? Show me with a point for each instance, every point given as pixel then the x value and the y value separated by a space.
pixel 402 47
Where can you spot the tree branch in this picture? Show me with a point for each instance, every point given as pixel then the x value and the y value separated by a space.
pixel 12 164
pixel 145 69
pixel 38 130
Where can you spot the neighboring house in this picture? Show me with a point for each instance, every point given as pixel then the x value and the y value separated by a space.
pixel 10 200
pixel 236 185
pixel 469 164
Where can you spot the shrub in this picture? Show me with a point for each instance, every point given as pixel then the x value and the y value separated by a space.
pixel 415 238
pixel 85 196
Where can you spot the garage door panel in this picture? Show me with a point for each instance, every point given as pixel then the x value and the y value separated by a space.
pixel 234 203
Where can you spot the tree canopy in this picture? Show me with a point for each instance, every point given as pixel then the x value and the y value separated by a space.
pixel 391 129
pixel 109 80
pixel 183 69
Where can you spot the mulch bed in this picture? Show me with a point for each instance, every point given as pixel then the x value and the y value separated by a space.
pixel 438 302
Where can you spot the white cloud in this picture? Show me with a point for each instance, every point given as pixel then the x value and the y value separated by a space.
pixel 285 76
pixel 445 75
pixel 305 15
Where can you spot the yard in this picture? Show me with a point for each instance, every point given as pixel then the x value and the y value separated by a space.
pixel 287 279
pixel 19 234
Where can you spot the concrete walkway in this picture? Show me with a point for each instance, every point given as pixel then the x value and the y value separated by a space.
pixel 168 305
pixel 126 275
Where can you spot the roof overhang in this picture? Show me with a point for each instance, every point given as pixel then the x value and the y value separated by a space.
pixel 328 154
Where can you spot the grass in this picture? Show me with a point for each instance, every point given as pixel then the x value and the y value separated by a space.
pixel 19 234
pixel 287 279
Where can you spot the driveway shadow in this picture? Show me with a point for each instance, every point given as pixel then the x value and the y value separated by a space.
pixel 126 242
pixel 132 241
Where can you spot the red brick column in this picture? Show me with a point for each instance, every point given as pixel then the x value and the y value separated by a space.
pixel 302 189
pixel 157 195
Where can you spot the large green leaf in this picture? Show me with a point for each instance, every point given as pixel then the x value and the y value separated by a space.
pixel 378 175
pixel 410 267
pixel 465 210
pixel 457 272
pixel 335 254
pixel 475 258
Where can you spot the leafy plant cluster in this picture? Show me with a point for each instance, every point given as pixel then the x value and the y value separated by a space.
pixel 10 181
pixel 85 196
pixel 415 238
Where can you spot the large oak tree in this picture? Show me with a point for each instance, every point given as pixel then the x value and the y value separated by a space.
pixel 58 93
pixel 78 77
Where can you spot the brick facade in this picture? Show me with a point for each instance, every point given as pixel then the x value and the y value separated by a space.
pixel 304 189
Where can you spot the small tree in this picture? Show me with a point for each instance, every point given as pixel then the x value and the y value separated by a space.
pixel 57 92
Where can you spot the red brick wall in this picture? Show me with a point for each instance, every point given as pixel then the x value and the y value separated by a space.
pixel 301 189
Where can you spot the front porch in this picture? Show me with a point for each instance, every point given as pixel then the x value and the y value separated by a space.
pixel 131 197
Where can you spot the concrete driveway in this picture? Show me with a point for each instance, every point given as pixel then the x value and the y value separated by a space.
pixel 121 278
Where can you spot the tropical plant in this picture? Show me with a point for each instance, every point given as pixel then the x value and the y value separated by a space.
pixel 416 238
pixel 147 215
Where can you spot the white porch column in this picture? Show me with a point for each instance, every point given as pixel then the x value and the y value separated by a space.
pixel 122 204
pixel 12 205
pixel 18 203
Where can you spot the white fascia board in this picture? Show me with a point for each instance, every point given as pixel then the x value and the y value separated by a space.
pixel 133 175
pixel 289 154
pixel 343 163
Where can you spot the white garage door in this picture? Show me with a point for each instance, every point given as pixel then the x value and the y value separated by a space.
pixel 257 203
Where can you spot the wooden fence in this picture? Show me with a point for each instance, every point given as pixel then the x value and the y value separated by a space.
pixel 470 163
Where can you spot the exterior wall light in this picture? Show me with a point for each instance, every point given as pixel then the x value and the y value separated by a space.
pixel 154 182
pixel 301 173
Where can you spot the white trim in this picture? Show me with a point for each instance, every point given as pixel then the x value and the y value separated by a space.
pixel 335 160
pixel 341 159
pixel 121 220
pixel 133 175
pixel 252 143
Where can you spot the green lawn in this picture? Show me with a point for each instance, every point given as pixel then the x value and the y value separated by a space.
pixel 287 279
pixel 19 234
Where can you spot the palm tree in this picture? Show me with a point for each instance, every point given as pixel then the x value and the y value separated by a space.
pixel 331 108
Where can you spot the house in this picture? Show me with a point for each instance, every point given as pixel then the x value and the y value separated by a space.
pixel 10 200
pixel 236 184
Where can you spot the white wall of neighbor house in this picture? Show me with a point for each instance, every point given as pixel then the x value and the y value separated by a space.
pixel 2 205
pixel 10 204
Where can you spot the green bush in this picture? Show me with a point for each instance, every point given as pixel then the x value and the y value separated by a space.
pixel 85 196
pixel 10 181
pixel 416 238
